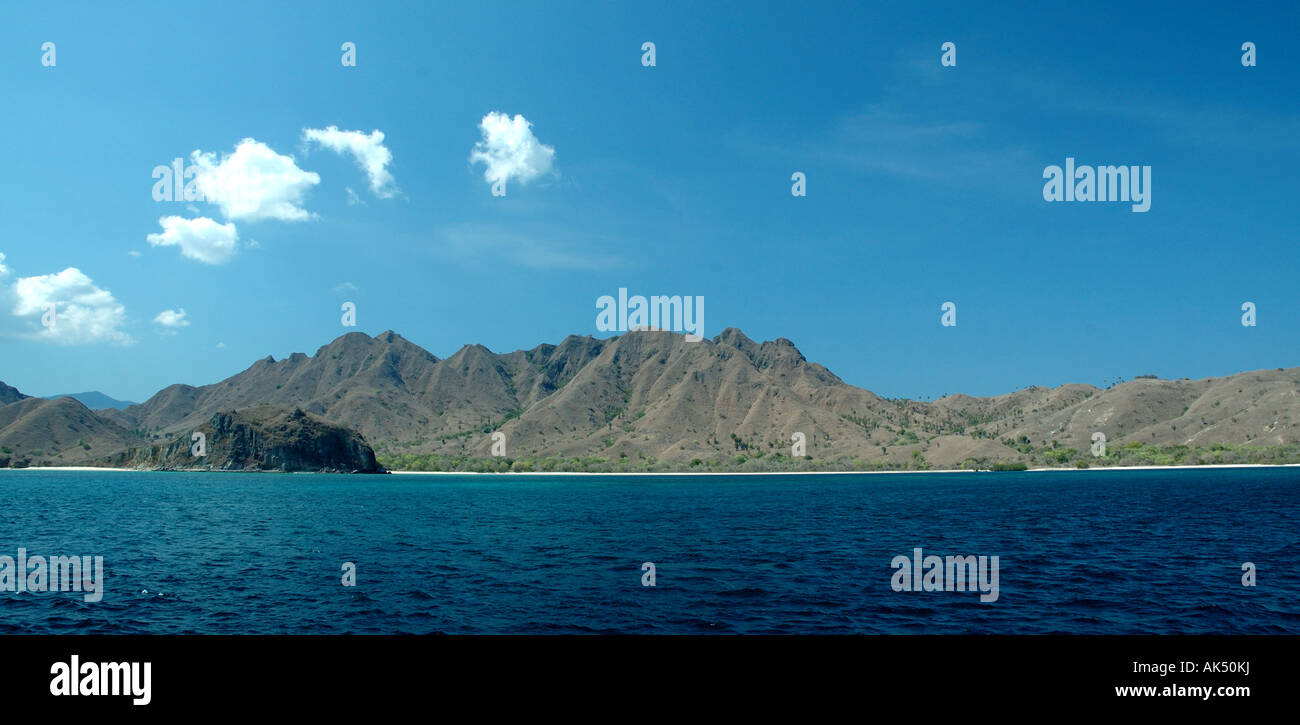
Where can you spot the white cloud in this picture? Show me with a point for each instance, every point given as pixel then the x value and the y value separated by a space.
pixel 345 287
pixel 83 313
pixel 368 151
pixel 221 345
pixel 202 238
pixel 171 321
pixel 510 150
pixel 135 253
pixel 254 183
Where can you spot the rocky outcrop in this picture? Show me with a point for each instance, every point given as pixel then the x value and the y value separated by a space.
pixel 10 395
pixel 264 438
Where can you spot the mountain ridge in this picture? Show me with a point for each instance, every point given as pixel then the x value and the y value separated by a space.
pixel 652 399
pixel 95 400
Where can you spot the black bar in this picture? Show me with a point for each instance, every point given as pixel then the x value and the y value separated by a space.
pixel 940 675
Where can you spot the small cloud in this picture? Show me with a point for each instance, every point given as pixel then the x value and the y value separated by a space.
pixel 254 183
pixel 509 149
pixel 367 150
pixel 135 253
pixel 171 321
pixel 353 199
pixel 202 239
pixel 221 345
pixel 345 287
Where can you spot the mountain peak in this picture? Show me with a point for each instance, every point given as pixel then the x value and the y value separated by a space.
pixel 10 395
pixel 351 338
pixel 734 337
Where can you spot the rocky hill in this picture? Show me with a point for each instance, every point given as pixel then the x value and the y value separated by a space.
pixel 264 438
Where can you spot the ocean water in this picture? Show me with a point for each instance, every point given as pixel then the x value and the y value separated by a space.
pixel 1079 552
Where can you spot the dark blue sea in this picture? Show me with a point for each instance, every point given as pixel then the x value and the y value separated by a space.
pixel 1079 552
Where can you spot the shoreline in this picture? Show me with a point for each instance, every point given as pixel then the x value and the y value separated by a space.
pixel 68 468
pixel 682 473
pixel 840 473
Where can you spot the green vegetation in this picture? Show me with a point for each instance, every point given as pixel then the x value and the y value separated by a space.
pixel 1136 453
pixel 906 437
pixel 1011 466
pixel 747 456
pixel 1141 454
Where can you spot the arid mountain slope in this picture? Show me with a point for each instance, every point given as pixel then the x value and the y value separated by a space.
pixel 36 431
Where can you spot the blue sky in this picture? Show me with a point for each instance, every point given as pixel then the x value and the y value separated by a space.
pixel 924 184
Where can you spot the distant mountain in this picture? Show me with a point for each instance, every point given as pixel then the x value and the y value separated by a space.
pixel 653 399
pixel 96 400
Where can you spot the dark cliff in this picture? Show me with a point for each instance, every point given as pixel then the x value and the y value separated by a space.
pixel 263 438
